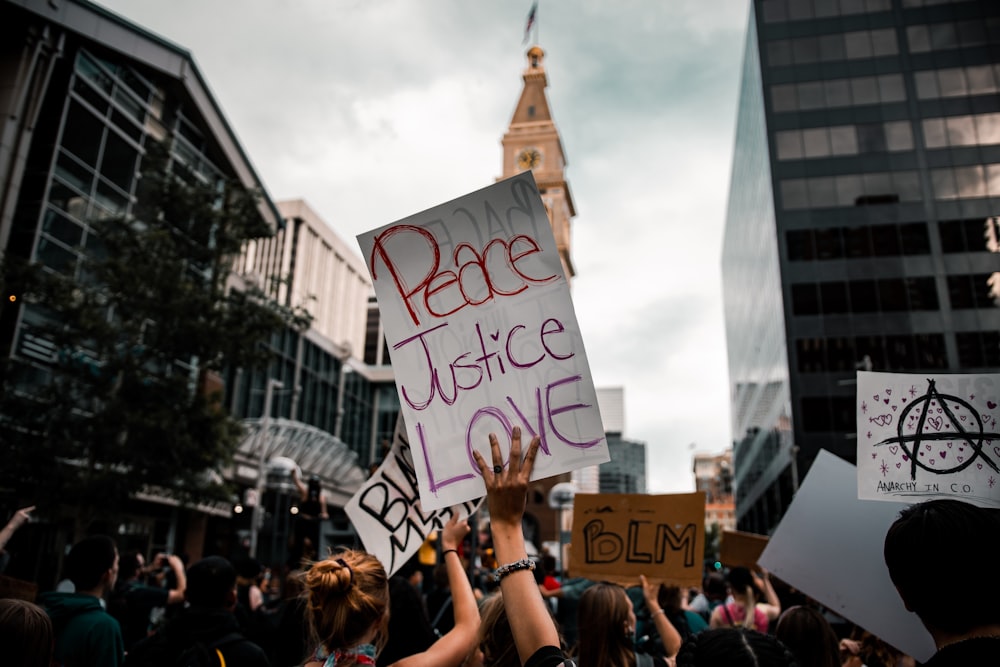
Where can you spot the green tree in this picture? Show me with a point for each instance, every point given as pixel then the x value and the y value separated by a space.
pixel 136 332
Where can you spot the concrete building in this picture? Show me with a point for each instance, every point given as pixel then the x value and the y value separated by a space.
pixel 626 471
pixel 863 195
pixel 713 476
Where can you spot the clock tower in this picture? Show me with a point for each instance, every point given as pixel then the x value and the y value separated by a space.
pixel 532 142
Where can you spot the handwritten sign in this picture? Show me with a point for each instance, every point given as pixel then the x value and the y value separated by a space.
pixel 738 549
pixel 483 337
pixel 929 436
pixel 829 546
pixel 387 513
pixel 618 536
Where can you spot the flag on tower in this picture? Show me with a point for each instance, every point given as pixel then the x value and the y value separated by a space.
pixel 531 20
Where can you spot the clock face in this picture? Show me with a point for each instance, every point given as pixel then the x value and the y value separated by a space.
pixel 529 158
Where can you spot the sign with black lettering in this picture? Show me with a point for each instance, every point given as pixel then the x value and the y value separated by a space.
pixel 618 536
pixel 386 511
pixel 483 337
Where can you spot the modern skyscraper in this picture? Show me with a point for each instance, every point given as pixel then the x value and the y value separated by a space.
pixel 626 471
pixel 861 223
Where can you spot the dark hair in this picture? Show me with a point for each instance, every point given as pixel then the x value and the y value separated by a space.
pixel 314 488
pixel 210 582
pixel 740 579
pixel 25 633
pixel 601 626
pixel 928 550
pixel 809 637
pixel 89 559
pixel 669 597
pixel 715 586
pixel 734 647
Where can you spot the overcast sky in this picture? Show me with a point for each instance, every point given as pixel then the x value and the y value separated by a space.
pixel 372 110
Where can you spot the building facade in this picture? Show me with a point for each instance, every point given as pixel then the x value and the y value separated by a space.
pixel 713 476
pixel 864 189
pixel 626 471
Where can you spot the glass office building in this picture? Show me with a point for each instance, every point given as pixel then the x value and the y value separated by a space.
pixel 862 224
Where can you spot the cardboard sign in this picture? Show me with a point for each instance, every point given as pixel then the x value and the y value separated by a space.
pixel 738 549
pixel 618 536
pixel 483 338
pixel 923 436
pixel 829 545
pixel 387 513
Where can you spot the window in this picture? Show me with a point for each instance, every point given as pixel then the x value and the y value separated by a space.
pixel 864 296
pixel 800 244
pixel 833 297
pixel 805 299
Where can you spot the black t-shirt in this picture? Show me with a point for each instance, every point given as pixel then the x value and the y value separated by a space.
pixel 549 656
pixel 974 652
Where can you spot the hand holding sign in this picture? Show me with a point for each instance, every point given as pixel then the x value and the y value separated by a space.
pixel 454 532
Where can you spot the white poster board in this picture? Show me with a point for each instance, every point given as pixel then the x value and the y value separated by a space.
pixel 926 436
pixel 483 337
pixel 829 545
pixel 386 511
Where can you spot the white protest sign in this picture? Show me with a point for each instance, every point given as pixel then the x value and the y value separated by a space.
pixel 926 436
pixel 829 546
pixel 386 511
pixel 483 337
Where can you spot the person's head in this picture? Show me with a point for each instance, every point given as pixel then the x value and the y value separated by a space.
pixel 92 564
pixel 734 647
pixel 130 564
pixel 347 598
pixel 928 550
pixel 495 639
pixel 741 583
pixel 605 626
pixel 715 586
pixel 809 637
pixel 25 633
pixel 211 584
pixel 313 487
pixel 669 597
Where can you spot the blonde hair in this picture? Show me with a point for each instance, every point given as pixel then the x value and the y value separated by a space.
pixel 346 595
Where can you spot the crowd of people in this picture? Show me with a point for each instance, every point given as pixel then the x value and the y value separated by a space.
pixel 116 609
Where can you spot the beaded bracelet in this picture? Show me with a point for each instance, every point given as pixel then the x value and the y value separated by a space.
pixel 504 570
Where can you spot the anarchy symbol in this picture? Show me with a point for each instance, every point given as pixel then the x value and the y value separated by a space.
pixel 910 443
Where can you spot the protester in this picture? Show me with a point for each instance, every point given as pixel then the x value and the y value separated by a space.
pixel 809 637
pixel 132 602
pixel 745 610
pixel 607 625
pixel 713 594
pixel 25 634
pixel 734 647
pixel 532 627
pixel 348 602
pixel 409 629
pixel 85 633
pixel 207 627
pixel 927 551
pixel 438 602
pixel 686 622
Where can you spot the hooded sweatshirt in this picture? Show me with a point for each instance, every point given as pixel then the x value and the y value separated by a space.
pixel 86 635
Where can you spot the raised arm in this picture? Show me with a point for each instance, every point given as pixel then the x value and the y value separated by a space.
pixel 176 594
pixel 299 484
pixel 668 633
pixel 772 605
pixel 20 517
pixel 506 493
pixel 453 647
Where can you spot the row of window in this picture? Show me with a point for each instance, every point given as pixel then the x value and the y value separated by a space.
pixel 833 93
pixel 779 11
pixel 824 414
pixel 819 142
pixel 972 130
pixel 831 48
pixel 887 295
pixel 948 183
pixel 935 84
pixel 897 353
pixel 850 190
pixel 892 240
pixel 952 35
pixel 839 140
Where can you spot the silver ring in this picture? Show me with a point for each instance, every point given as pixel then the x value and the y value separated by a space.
pixel 497 470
